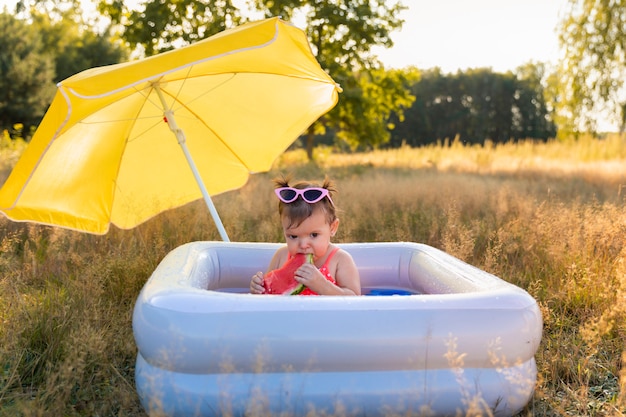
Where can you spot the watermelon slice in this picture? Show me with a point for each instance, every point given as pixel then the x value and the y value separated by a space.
pixel 282 281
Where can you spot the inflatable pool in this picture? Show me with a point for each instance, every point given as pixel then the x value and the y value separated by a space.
pixel 432 335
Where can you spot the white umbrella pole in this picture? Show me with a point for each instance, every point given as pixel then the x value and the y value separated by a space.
pixel 180 136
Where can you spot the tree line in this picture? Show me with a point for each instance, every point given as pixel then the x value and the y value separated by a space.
pixel 475 105
pixel 44 41
pixel 37 53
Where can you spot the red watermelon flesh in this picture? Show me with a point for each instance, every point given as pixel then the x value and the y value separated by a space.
pixel 282 281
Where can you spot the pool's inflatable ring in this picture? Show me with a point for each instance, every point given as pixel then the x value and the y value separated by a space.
pixel 432 334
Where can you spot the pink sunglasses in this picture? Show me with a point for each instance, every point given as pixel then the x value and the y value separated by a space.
pixel 310 195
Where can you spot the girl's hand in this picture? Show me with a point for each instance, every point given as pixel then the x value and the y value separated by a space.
pixel 310 277
pixel 256 284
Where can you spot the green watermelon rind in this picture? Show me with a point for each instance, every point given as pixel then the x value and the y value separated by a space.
pixel 301 287
pixel 298 290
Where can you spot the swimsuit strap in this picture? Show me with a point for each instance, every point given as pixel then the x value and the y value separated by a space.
pixel 329 258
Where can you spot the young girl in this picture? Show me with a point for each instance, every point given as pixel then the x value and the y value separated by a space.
pixel 307 214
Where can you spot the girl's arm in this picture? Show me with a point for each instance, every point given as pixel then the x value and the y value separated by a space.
pixel 347 274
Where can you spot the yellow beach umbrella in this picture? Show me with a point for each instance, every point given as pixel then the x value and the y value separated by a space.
pixel 107 150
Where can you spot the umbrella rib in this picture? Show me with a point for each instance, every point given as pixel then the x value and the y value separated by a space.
pixel 222 141
pixel 204 93
pixel 181 87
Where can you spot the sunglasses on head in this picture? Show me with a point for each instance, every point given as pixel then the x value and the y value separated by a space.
pixel 310 195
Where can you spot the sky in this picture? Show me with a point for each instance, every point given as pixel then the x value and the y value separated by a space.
pixel 461 34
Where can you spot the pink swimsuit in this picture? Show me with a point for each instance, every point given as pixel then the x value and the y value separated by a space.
pixel 324 270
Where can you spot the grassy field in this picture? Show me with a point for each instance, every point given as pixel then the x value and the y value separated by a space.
pixel 549 218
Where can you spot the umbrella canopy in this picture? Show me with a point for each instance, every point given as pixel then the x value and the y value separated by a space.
pixel 107 150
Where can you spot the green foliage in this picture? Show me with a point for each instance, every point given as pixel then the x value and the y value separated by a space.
pixel 593 71
pixel 342 34
pixel 363 118
pixel 158 26
pixel 55 9
pixel 75 49
pixel 26 74
pixel 11 147
pixel 534 117
pixel 476 105
pixel 47 42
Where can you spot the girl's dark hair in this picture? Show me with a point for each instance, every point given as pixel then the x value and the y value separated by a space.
pixel 299 210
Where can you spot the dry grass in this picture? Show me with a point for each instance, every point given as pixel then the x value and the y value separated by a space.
pixel 547 217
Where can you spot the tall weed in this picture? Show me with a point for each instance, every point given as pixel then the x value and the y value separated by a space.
pixel 547 217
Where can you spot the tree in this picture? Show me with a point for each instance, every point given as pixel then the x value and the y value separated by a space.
pixel 75 47
pixel 158 26
pixel 593 38
pixel 342 34
pixel 77 40
pixel 26 75
pixel 476 104
pixel 488 98
pixel 363 116
pixel 534 112
pixel 45 42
